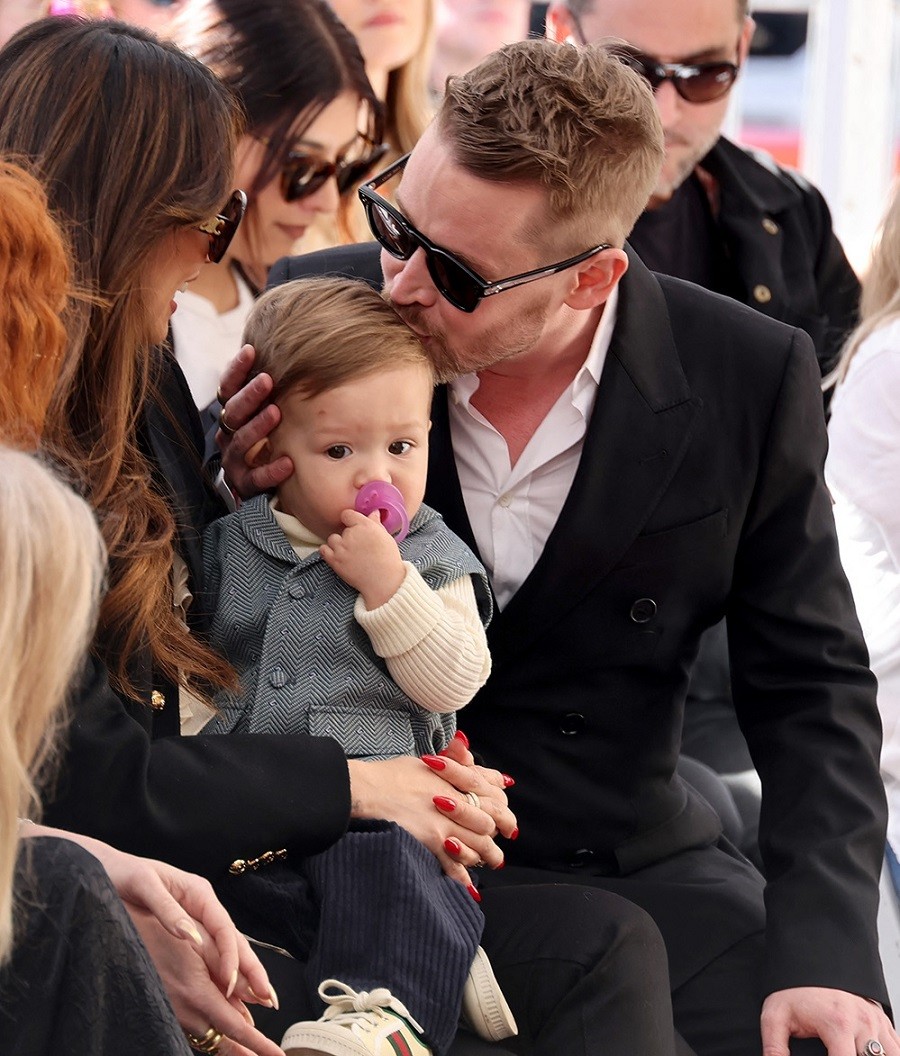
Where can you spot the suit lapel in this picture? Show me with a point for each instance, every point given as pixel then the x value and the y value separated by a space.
pixel 639 430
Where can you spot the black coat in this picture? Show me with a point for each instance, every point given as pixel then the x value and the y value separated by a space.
pixel 699 494
pixel 778 235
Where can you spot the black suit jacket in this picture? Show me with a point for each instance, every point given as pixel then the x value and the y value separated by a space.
pixel 699 495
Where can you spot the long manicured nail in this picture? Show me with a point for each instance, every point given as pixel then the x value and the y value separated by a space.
pixel 508 781
pixel 473 891
pixel 452 846
pixel 514 835
pixel 460 736
pixel 502 865
pixel 434 762
pixel 189 931
pixel 232 983
pixel 271 1000
pixel 444 803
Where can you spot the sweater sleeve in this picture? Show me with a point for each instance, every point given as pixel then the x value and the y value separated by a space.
pixel 433 641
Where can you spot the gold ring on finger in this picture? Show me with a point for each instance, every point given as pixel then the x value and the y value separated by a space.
pixel 223 424
pixel 873 1047
pixel 209 1043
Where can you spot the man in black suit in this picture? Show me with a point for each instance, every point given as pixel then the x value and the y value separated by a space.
pixel 732 221
pixel 633 458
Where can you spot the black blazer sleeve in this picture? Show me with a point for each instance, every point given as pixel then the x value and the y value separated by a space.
pixel 197 802
pixel 806 702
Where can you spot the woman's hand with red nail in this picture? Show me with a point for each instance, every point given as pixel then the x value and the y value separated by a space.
pixel 430 803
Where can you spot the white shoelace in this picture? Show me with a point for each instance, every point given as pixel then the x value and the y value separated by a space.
pixel 363 1009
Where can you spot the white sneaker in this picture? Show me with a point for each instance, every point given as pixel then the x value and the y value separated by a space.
pixel 357 1024
pixel 484 1008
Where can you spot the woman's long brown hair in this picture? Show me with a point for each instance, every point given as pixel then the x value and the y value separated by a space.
pixel 131 139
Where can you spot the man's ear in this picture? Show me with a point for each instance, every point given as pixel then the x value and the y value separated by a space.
pixel 558 23
pixel 747 31
pixel 596 278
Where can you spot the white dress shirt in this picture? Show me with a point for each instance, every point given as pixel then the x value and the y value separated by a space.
pixel 512 510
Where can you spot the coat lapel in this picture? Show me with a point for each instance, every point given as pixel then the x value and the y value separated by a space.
pixel 639 430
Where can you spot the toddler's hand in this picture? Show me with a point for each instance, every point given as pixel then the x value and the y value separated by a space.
pixel 366 557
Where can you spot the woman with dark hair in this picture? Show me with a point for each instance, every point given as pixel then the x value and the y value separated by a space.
pixel 314 130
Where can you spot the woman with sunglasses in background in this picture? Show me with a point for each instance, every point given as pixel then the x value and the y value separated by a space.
pixel 314 130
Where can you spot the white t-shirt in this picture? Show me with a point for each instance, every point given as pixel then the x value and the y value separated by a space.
pixel 205 340
pixel 863 474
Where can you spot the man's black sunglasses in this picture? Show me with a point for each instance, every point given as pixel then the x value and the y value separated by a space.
pixel 455 281
pixel 221 228
pixel 698 82
pixel 695 82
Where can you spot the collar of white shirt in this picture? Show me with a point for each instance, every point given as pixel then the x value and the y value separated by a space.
pixel 512 510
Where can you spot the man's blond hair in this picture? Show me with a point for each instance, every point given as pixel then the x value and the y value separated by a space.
pixel 316 334
pixel 575 121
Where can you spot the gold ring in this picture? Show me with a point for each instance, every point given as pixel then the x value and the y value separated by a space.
pixel 474 800
pixel 223 425
pixel 219 396
pixel 209 1043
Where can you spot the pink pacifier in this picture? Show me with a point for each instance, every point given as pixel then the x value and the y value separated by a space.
pixel 384 497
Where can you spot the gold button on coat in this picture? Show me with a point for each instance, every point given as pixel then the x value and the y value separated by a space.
pixel 762 294
pixel 157 700
pixel 770 225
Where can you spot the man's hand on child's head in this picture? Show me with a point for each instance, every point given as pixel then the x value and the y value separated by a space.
pixel 246 420
pixel 366 557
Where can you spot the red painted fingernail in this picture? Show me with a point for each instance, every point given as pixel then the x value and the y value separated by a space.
pixel 502 865
pixel 451 846
pixel 508 781
pixel 443 751
pixel 434 762
pixel 514 835
pixel 444 803
pixel 462 737
pixel 473 891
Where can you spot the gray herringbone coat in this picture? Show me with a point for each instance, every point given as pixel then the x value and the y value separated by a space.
pixel 306 665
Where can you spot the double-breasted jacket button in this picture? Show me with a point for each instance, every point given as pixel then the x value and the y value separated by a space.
pixel 583 856
pixel 770 226
pixel 762 294
pixel 297 590
pixel 278 677
pixel 157 700
pixel 572 723
pixel 643 610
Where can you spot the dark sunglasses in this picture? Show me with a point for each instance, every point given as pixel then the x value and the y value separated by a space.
pixel 221 228
pixel 303 174
pixel 455 281
pixel 695 82
pixel 699 82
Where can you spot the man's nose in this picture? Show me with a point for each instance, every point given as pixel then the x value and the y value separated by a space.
pixel 668 104
pixel 410 280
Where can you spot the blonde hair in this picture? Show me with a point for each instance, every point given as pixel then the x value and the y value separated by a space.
pixel 575 121
pixel 880 300
pixel 317 334
pixel 51 566
pixel 408 109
